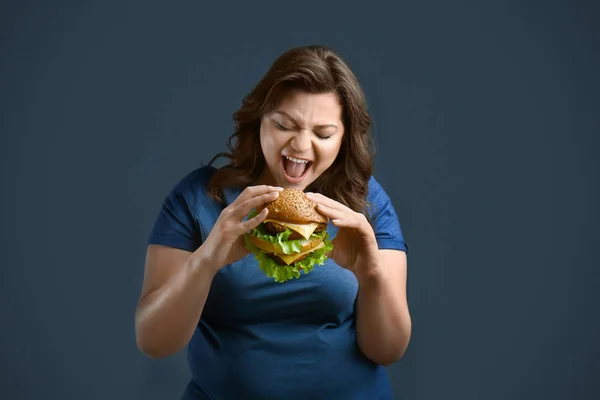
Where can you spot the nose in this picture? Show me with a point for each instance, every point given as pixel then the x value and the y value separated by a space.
pixel 301 142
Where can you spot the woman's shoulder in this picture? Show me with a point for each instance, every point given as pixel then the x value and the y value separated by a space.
pixel 376 192
pixel 194 182
pixel 378 199
pixel 194 186
pixel 198 177
pixel 191 188
pixel 385 219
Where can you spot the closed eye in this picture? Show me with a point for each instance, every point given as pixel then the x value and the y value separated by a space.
pixel 286 129
pixel 281 127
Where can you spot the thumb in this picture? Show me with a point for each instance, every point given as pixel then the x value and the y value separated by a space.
pixel 255 221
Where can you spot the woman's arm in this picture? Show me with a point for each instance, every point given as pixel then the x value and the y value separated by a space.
pixel 383 325
pixel 176 285
pixel 177 282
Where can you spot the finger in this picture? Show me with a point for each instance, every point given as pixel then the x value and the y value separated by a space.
pixel 243 209
pixel 332 213
pixel 260 189
pixel 252 223
pixel 345 223
pixel 254 191
pixel 359 224
pixel 326 201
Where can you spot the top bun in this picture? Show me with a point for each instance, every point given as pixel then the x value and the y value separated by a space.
pixel 292 206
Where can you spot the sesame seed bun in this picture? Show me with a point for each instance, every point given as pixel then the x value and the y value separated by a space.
pixel 292 206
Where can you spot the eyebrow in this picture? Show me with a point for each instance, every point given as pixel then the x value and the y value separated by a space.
pixel 285 114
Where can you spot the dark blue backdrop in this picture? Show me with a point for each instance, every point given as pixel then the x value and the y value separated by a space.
pixel 486 121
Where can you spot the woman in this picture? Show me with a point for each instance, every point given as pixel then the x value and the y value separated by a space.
pixel 326 335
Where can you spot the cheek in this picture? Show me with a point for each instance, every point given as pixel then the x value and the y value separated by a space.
pixel 328 153
pixel 269 145
pixel 333 148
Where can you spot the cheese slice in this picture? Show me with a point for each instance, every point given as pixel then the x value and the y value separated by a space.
pixel 303 229
pixel 290 258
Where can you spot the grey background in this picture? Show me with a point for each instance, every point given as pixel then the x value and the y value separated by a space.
pixel 486 121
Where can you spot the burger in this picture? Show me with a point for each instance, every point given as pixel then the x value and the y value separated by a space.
pixel 293 237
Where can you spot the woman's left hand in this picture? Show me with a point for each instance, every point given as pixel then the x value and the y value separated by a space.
pixel 354 246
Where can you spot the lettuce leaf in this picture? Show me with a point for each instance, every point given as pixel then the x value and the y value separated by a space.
pixel 283 273
pixel 280 240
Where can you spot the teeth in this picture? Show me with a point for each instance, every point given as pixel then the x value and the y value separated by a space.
pixel 296 160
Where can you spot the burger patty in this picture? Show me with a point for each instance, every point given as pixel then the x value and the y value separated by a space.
pixel 281 262
pixel 274 228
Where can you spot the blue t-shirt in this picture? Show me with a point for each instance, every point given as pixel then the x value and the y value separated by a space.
pixel 258 339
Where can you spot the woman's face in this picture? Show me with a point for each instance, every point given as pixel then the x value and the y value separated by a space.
pixel 301 138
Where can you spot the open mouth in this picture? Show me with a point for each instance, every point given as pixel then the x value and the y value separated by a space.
pixel 294 169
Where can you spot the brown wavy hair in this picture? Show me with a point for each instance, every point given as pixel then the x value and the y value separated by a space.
pixel 313 69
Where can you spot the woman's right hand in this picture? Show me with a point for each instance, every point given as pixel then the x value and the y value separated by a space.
pixel 225 243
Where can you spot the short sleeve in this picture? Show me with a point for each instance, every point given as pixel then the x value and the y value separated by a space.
pixel 176 225
pixel 386 224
